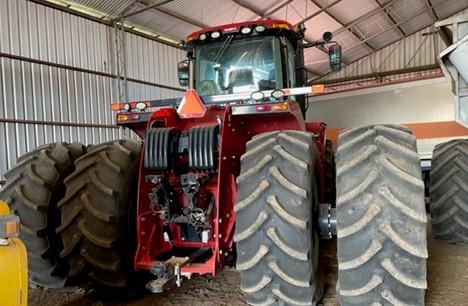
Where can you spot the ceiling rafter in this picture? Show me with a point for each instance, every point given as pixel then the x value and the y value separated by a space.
pixel 321 10
pixel 128 11
pixel 384 6
pixel 158 7
pixel 248 7
pixel 392 26
pixel 182 18
pixel 129 7
pixel 313 72
pixel 365 16
pixel 279 7
pixel 382 47
pixel 270 11
pixel 357 20
pixel 332 16
pixel 389 15
pixel 431 10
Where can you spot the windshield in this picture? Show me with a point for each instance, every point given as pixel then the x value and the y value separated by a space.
pixel 238 65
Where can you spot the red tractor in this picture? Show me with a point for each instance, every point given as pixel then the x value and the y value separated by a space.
pixel 230 171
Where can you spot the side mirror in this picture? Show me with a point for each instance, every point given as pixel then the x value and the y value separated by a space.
pixel 334 57
pixel 183 72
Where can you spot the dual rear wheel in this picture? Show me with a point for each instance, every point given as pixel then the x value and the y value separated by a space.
pixel 381 220
pixel 74 206
pixel 32 190
pixel 449 191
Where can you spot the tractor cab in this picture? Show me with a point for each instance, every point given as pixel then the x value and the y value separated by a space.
pixel 248 57
pixel 243 64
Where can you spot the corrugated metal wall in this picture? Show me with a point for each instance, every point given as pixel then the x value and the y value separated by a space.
pixel 35 44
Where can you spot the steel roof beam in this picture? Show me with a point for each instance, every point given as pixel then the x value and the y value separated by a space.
pixel 325 10
pixel 321 10
pixel 365 16
pixel 379 74
pixel 154 5
pixel 182 18
pixel 248 7
pixel 312 71
pixel 128 8
pixel 386 10
pixel 431 11
pixel 272 11
pixel 408 34
pixel 391 27
pixel 157 7
pixel 268 13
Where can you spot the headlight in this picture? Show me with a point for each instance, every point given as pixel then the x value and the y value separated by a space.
pixel 257 96
pixel 246 30
pixel 127 106
pixel 260 28
pixel 202 36
pixel 277 94
pixel 141 105
pixel 215 34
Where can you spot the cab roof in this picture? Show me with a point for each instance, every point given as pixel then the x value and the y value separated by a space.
pixel 236 27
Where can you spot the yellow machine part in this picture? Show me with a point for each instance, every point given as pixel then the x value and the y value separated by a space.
pixel 13 269
pixel 4 210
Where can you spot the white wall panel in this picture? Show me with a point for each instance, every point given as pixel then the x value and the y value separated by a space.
pixel 414 102
pixel 44 92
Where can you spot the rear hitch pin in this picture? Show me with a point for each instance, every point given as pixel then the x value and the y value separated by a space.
pixel 177 273
pixel 168 273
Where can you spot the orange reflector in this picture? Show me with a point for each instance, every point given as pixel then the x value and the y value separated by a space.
pixel 191 37
pixel 9 226
pixel 280 26
pixel 191 106
pixel 117 106
pixel 128 117
pixel 318 89
pixel 12 228
pixel 121 118
pixel 279 107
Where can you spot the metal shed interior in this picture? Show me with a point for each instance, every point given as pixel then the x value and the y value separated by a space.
pixel 63 62
pixel 60 59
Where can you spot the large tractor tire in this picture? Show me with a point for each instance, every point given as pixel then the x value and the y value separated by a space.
pixel 449 191
pixel 97 219
pixel 381 218
pixel 330 173
pixel 277 246
pixel 32 189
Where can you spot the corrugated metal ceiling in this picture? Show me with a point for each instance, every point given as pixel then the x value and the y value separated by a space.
pixel 360 26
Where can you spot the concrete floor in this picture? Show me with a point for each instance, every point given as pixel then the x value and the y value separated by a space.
pixel 447 281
